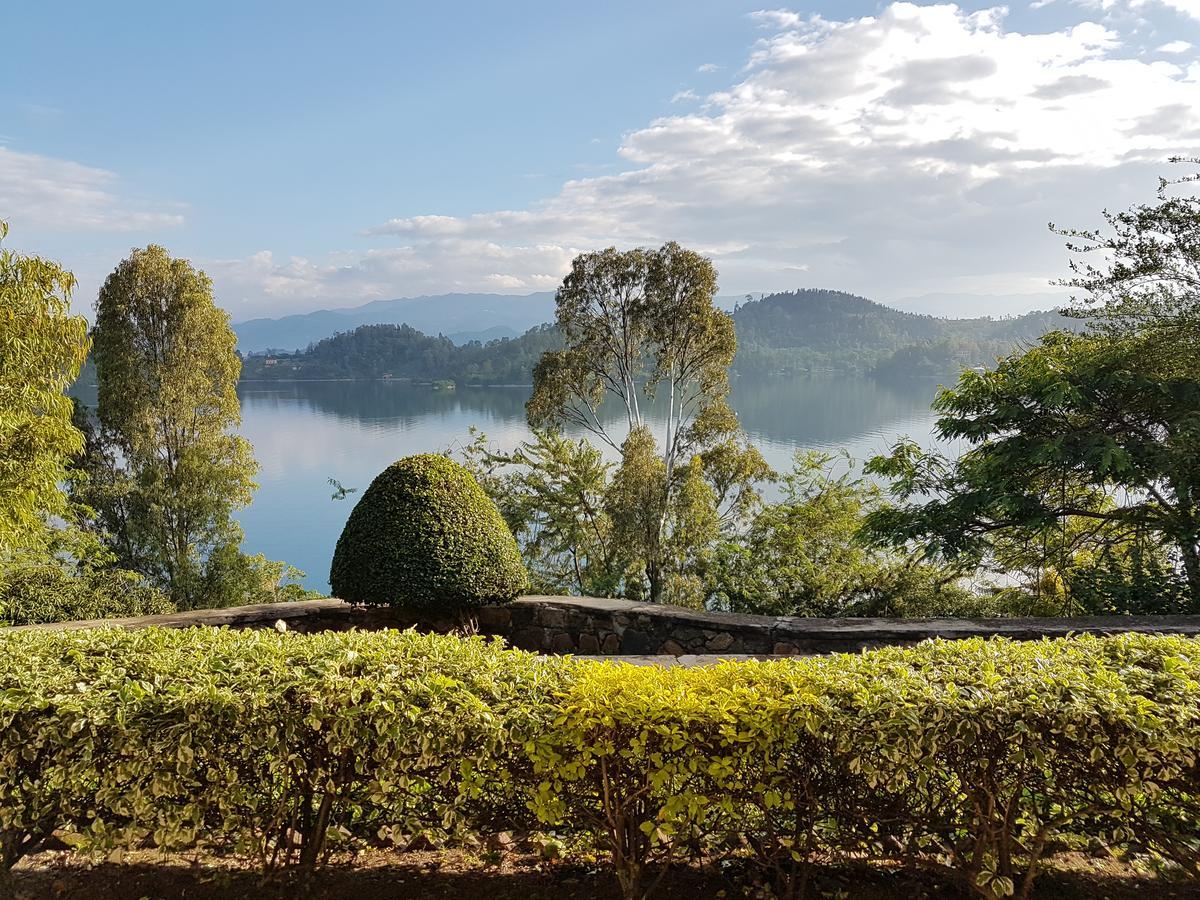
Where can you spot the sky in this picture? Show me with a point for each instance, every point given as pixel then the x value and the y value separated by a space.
pixel 326 155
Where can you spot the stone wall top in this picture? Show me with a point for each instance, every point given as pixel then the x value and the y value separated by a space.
pixel 639 631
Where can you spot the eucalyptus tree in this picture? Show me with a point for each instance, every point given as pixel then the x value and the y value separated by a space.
pixel 641 324
pixel 42 348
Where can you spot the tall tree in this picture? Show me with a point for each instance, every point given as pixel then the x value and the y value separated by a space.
pixel 1079 429
pixel 167 369
pixel 601 310
pixel 636 325
pixel 42 347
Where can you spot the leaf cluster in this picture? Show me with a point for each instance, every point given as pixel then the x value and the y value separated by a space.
pixel 42 347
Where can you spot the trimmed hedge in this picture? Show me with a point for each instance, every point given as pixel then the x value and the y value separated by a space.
pixel 33 594
pixel 425 536
pixel 977 758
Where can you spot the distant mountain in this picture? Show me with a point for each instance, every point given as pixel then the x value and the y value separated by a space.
pixel 808 331
pixel 445 314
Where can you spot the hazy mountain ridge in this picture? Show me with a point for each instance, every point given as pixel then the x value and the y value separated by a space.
pixel 443 314
pixel 461 317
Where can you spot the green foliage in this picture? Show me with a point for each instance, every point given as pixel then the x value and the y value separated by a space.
pixel 973 757
pixel 425 536
pixel 585 526
pixel 165 469
pixel 32 594
pixel 270 746
pixel 804 555
pixel 234 578
pixel 551 491
pixel 1083 461
pixel 42 347
pixel 636 325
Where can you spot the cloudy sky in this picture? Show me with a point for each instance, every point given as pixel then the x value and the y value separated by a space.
pixel 321 155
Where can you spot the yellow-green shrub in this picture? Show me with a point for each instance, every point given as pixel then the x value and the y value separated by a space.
pixel 973 756
pixel 262 743
pixel 976 757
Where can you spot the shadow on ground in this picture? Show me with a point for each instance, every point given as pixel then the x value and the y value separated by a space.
pixel 517 877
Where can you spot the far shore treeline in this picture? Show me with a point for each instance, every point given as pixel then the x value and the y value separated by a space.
pixel 803 332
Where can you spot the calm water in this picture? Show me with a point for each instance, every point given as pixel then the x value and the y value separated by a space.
pixel 307 432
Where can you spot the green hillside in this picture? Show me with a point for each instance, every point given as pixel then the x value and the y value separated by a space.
pixel 808 331
pixel 816 330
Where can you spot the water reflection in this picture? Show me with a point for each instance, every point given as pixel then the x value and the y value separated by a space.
pixel 307 432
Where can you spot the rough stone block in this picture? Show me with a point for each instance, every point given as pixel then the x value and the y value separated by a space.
pixel 562 642
pixel 611 644
pixel 636 643
pixel 589 643
pixel 494 617
pixel 719 642
pixel 523 615
pixel 532 638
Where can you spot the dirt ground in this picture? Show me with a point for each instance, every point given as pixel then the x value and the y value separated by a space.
pixel 518 876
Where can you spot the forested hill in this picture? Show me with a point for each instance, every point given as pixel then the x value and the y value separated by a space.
pixel 809 331
pixel 815 330
pixel 398 351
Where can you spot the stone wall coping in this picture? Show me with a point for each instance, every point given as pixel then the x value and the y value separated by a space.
pixel 339 614
pixel 254 614
pixel 814 627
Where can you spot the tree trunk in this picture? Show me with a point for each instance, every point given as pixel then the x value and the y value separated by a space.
pixel 654 579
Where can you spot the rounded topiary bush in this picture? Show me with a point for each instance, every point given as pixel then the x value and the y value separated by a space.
pixel 425 536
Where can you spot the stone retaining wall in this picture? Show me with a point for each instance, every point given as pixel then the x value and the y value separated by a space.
pixel 595 626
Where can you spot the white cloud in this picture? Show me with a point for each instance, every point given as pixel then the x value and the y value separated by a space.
pixel 776 18
pixel 1186 7
pixel 707 67
pixel 685 96
pixel 61 195
pixel 1175 47
pixel 919 150
pixel 1189 8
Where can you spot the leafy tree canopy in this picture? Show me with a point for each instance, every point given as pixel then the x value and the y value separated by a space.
pixel 1142 271
pixel 42 347
pixel 1075 430
pixel 165 468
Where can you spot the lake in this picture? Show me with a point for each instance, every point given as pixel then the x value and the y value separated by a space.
pixel 307 432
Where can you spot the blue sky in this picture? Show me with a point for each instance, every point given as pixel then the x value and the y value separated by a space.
pixel 326 155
